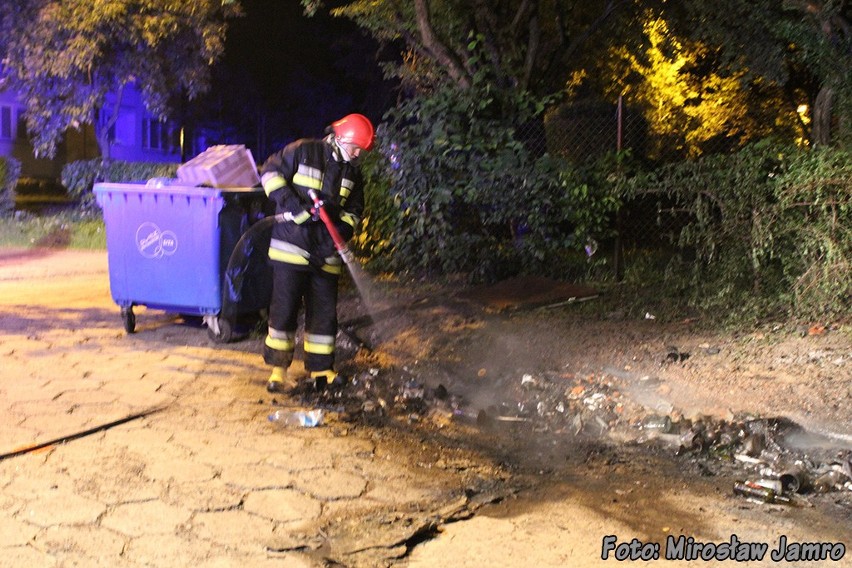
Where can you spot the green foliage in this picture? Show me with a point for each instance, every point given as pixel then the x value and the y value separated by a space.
pixel 770 230
pixel 815 220
pixel 803 47
pixel 691 102
pixel 64 58
pixel 380 212
pixel 79 177
pixel 10 170
pixel 472 198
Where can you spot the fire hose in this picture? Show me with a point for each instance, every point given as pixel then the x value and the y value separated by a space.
pixel 235 272
pixel 336 237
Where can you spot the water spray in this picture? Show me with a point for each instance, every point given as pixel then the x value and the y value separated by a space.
pixel 238 264
pixel 359 277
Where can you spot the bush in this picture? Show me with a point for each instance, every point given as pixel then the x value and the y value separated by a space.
pixel 770 230
pixel 814 221
pixel 79 177
pixel 380 213
pixel 471 198
pixel 10 170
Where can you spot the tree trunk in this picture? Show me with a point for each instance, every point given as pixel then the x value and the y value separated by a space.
pixel 102 136
pixel 102 127
pixel 823 107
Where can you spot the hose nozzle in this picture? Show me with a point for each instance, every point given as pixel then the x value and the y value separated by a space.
pixel 346 255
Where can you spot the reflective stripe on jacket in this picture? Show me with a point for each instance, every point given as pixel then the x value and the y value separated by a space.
pixel 287 176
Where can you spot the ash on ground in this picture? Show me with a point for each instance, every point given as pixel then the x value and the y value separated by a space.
pixel 774 453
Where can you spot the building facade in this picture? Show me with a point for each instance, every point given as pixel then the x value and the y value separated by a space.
pixel 136 136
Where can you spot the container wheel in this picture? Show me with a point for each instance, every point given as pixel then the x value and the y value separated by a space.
pixel 223 334
pixel 129 319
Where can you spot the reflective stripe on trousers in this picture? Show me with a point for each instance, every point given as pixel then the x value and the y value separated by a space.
pixel 293 285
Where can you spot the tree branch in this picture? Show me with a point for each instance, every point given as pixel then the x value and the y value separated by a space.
pixel 577 42
pixel 439 51
pixel 608 11
pixel 410 39
pixel 516 21
pixel 532 51
pixel 102 129
pixel 488 26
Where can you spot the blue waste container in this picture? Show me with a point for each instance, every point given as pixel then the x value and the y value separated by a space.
pixel 168 247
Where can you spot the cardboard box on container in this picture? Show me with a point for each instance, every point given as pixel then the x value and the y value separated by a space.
pixel 221 166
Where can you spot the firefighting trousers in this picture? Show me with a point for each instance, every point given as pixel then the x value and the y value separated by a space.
pixel 293 286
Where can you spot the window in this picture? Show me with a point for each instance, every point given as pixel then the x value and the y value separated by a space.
pixel 6 126
pixel 159 135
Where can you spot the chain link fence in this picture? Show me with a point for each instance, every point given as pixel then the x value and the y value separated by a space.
pixel 586 131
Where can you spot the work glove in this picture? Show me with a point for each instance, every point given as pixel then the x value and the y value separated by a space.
pixel 315 210
pixel 298 219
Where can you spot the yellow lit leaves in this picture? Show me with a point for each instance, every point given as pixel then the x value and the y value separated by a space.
pixel 682 100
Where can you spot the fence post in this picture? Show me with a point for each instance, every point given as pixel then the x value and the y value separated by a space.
pixel 618 253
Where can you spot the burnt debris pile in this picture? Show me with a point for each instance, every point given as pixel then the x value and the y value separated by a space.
pixel 774 453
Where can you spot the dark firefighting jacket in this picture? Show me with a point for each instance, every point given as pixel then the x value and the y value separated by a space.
pixel 287 176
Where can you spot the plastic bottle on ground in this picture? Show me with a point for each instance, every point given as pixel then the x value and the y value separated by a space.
pixel 304 418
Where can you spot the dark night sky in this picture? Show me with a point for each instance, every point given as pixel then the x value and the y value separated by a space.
pixel 299 74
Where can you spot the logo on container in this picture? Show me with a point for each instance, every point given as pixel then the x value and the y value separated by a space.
pixel 155 243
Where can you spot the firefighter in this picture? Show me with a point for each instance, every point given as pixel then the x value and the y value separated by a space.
pixel 305 263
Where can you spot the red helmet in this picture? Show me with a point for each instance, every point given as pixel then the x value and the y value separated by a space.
pixel 355 129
